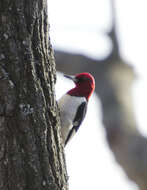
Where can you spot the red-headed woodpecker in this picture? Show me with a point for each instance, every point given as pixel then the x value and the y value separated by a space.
pixel 73 105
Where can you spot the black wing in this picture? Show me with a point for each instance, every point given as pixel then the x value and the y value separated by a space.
pixel 77 120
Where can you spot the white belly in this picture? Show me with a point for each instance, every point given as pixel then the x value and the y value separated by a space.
pixel 68 106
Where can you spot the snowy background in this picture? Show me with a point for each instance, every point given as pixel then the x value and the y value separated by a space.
pixel 76 25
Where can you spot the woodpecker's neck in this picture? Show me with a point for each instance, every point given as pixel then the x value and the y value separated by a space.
pixel 82 90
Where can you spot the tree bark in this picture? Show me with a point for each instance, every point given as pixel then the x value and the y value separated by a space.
pixel 31 152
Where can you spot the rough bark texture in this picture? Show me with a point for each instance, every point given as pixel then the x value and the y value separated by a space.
pixel 114 79
pixel 31 154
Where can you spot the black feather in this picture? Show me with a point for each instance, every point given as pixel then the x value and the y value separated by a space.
pixel 81 112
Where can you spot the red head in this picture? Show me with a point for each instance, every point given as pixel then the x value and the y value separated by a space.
pixel 85 85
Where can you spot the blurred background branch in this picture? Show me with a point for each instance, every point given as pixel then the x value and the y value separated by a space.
pixel 114 80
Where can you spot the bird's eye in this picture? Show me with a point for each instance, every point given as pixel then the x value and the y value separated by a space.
pixel 82 79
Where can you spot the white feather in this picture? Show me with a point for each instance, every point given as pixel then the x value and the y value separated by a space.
pixel 68 107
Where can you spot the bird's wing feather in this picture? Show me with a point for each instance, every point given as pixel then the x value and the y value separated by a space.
pixel 81 112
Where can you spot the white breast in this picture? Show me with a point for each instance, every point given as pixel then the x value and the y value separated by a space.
pixel 68 106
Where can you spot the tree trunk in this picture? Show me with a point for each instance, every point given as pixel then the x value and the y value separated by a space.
pixel 31 153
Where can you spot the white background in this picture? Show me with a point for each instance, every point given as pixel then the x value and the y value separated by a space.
pixel 80 26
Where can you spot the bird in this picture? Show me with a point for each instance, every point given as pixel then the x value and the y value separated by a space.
pixel 73 104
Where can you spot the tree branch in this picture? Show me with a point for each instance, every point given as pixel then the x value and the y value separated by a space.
pixel 114 79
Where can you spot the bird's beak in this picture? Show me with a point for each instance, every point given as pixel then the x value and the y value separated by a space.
pixel 73 78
